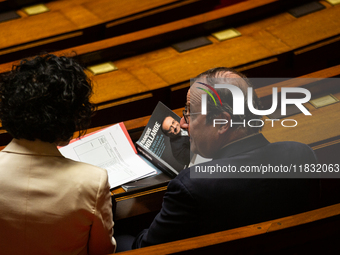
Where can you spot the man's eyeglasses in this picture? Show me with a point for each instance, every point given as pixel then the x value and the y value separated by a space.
pixel 187 115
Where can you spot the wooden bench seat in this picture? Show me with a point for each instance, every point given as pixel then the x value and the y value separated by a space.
pixel 312 232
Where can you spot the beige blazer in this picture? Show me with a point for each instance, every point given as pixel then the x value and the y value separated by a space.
pixel 52 205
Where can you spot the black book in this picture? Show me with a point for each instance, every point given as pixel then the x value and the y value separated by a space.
pixel 158 147
pixel 168 153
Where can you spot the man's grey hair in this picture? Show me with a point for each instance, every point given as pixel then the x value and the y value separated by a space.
pixel 221 75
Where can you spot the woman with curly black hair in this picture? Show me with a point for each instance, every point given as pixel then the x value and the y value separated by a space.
pixel 50 204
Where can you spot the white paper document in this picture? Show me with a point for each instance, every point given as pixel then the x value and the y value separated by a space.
pixel 113 150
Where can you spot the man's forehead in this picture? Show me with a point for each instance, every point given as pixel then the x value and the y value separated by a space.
pixel 167 121
pixel 169 118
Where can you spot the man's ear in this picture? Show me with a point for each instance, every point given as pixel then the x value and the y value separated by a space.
pixel 224 128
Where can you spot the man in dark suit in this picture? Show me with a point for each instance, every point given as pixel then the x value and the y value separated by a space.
pixel 179 140
pixel 196 206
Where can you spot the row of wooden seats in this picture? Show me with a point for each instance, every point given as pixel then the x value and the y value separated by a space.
pixel 173 32
pixel 162 70
pixel 305 33
pixel 199 246
pixel 139 78
pixel 156 37
pixel 69 23
pixel 260 41
pixel 166 73
pixel 312 232
pixel 87 50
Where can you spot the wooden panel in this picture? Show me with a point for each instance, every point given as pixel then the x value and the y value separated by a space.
pixel 30 45
pixel 319 75
pixel 114 85
pixel 239 51
pixel 81 17
pixel 6 67
pixel 270 42
pixel 170 27
pixel 89 16
pixel 310 28
pixel 33 28
pixel 147 77
pixel 64 4
pixel 279 19
pixel 177 7
pixel 115 9
pixel 146 57
pixel 322 125
pixel 234 52
pixel 163 33
pixel 6 5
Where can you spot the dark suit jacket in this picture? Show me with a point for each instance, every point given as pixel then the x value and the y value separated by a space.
pixel 193 207
pixel 180 147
